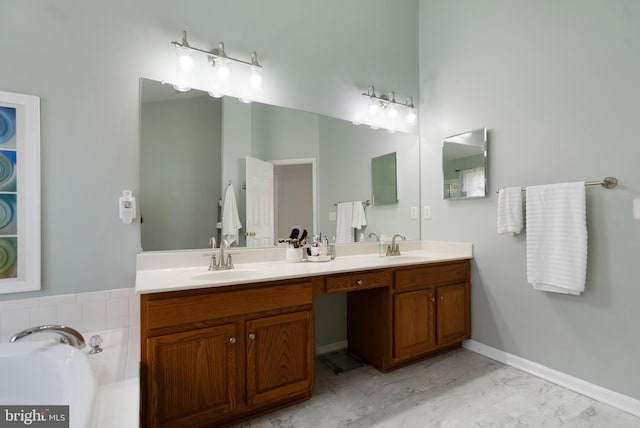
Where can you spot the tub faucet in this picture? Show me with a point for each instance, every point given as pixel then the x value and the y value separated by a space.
pixel 68 335
pixel 394 249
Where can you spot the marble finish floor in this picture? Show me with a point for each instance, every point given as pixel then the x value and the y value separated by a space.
pixel 460 389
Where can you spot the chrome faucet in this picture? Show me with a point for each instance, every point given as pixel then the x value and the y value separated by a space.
pixel 394 249
pixel 223 263
pixel 68 335
pixel 212 262
pixel 372 234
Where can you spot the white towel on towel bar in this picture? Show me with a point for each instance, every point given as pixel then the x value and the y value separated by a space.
pixel 557 237
pixel 344 219
pixel 230 219
pixel 510 210
pixel 358 220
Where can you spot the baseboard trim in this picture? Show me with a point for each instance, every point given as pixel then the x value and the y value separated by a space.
pixel 612 398
pixel 331 347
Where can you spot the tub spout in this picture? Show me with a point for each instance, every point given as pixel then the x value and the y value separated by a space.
pixel 69 336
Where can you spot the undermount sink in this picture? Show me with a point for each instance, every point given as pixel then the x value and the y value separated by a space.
pixel 226 275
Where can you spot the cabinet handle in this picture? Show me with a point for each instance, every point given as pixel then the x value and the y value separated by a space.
pixel 252 336
pixel 232 340
pixel 359 281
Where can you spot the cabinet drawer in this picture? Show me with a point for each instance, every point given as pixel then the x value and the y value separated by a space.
pixel 357 281
pixel 163 310
pixel 432 276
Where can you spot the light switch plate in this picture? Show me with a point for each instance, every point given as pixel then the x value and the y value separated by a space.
pixel 426 212
pixel 414 213
pixel 332 216
pixel 636 208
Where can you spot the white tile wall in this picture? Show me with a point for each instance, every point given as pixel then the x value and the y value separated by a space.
pixel 85 312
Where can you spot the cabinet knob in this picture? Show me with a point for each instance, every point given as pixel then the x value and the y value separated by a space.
pixel 441 297
pixel 252 336
pixel 232 340
pixel 359 282
pixel 433 299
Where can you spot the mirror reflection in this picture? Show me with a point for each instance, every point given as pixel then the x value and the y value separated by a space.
pixel 195 149
pixel 383 179
pixel 464 165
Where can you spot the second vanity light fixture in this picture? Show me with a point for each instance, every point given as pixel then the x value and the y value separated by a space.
pixel 219 60
pixel 389 104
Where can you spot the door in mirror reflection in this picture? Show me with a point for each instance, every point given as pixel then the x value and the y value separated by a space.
pixel 464 165
pixel 260 220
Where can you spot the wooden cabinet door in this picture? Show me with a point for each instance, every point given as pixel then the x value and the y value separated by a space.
pixel 413 323
pixel 453 321
pixel 279 357
pixel 192 377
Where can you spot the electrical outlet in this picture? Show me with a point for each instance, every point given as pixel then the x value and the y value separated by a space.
pixel 414 213
pixel 426 212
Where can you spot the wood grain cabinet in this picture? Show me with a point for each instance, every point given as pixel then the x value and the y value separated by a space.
pixel 192 376
pixel 212 356
pixel 279 357
pixel 426 310
pixel 215 355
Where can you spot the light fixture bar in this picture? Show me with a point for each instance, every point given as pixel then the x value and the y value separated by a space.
pixel 216 53
pixel 387 100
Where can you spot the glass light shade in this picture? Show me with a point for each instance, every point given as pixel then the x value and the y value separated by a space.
pixel 244 100
pixel 256 77
pixel 215 94
pixel 412 117
pixel 222 68
pixel 392 113
pixel 185 60
pixel 374 106
pixel 181 88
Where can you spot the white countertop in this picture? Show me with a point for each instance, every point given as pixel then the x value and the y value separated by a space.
pixel 183 270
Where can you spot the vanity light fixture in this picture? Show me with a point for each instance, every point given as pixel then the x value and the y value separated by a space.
pixel 256 72
pixel 389 104
pixel 219 60
pixel 411 114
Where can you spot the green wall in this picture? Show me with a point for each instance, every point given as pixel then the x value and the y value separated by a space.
pixel 556 84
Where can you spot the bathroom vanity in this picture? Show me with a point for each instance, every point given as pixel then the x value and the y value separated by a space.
pixel 217 350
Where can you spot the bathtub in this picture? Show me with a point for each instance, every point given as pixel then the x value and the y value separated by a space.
pixel 38 374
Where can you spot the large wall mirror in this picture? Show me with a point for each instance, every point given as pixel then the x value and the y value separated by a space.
pixel 194 146
pixel 464 165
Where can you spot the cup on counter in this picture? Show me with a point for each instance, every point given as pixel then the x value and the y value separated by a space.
pixel 293 255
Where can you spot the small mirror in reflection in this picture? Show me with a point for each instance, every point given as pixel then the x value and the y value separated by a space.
pixel 383 179
pixel 464 165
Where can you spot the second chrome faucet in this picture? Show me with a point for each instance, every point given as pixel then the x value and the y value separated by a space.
pixel 223 263
pixel 394 249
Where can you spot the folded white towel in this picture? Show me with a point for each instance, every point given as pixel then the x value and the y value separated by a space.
pixel 358 219
pixel 230 218
pixel 344 219
pixel 510 210
pixel 557 237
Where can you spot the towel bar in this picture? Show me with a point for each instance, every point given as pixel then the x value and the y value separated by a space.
pixel 365 203
pixel 607 183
